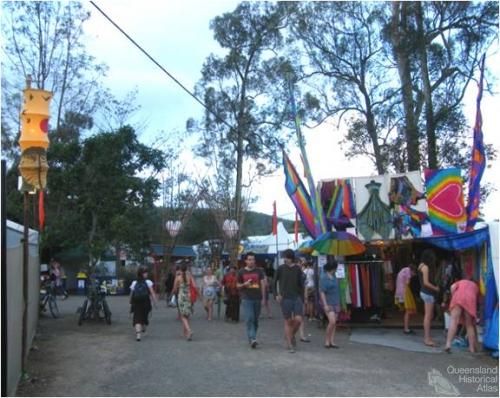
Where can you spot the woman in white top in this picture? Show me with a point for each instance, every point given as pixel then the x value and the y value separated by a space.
pixel 141 292
pixel 209 290
pixel 310 291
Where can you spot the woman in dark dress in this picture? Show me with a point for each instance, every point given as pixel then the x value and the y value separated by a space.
pixel 141 292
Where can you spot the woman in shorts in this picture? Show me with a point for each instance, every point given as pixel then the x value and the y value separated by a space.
pixel 330 298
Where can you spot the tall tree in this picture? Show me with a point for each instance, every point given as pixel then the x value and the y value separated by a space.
pixel 239 89
pixel 403 41
pixel 45 40
pixel 341 40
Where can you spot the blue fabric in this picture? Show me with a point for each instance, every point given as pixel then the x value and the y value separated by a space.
pixel 461 241
pixel 490 338
pixel 251 311
pixel 491 297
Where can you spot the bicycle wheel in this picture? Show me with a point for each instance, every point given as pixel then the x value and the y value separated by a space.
pixel 83 313
pixel 107 312
pixel 53 307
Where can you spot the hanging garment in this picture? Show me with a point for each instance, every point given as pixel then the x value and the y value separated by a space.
pixel 388 276
pixel 373 270
pixel 359 303
pixel 375 217
pixel 348 289
pixel 403 192
pixel 342 287
pixel 354 292
pixel 368 300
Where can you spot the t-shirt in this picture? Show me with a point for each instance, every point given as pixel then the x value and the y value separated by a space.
pixel 309 272
pixel 253 291
pixel 331 289
pixel 148 282
pixel 290 280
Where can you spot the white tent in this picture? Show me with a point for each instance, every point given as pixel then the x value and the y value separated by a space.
pixel 267 243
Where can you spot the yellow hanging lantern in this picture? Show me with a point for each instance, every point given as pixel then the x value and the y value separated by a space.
pixel 33 168
pixel 35 119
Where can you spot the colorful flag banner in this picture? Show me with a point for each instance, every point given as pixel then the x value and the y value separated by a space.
pixel 299 196
pixel 478 161
pixel 318 213
pixel 445 200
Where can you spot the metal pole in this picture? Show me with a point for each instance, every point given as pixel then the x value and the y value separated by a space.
pixel 4 275
pixel 25 282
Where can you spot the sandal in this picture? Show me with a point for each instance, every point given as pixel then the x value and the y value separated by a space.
pixel 433 344
pixel 328 346
pixel 334 346
pixel 447 350
pixel 305 340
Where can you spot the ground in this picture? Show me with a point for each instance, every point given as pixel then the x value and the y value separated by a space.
pixel 97 359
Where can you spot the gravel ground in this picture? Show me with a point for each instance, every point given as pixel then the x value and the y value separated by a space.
pixel 97 359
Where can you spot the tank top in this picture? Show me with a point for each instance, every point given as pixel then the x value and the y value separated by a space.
pixel 424 289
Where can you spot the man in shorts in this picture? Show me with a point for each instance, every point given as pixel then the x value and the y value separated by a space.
pixel 290 290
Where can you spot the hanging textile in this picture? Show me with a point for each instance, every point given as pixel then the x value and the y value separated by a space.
pixel 478 160
pixel 445 200
pixel 299 196
pixel 375 219
pixel 338 202
pixel 402 192
pixel 410 212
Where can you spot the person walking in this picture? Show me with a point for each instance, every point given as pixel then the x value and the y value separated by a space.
pixel 251 285
pixel 141 292
pixel 428 291
pixel 290 290
pixel 183 284
pixel 231 295
pixel 209 290
pixel 310 290
pixel 329 294
pixel 169 286
pixel 404 297
pixel 463 309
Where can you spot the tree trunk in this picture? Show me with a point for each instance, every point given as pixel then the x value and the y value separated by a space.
pixel 372 132
pixel 430 125
pixel 402 51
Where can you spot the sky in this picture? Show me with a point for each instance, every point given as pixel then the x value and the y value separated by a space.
pixel 177 35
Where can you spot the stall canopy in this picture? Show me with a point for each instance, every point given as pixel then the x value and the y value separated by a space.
pixel 461 241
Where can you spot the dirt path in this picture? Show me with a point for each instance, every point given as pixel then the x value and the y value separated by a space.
pixel 96 359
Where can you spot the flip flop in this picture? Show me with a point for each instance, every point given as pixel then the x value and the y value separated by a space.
pixel 334 346
pixel 447 350
pixel 328 346
pixel 305 340
pixel 431 344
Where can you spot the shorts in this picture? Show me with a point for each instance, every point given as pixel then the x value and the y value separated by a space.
pixel 310 293
pixel 292 307
pixel 209 293
pixel 428 298
pixel 333 308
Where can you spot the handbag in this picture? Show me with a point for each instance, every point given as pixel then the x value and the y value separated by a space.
pixel 193 293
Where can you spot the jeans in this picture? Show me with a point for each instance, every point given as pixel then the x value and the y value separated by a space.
pixel 251 311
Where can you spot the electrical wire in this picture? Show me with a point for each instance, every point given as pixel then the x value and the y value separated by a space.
pixel 160 66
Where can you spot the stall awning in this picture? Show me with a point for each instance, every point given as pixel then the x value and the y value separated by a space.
pixel 461 241
pixel 179 251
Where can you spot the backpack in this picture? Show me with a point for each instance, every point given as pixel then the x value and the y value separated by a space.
pixel 141 290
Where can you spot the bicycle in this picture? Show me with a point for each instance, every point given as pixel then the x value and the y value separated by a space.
pixel 95 305
pixel 48 296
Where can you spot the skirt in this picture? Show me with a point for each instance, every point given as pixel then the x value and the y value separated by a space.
pixel 409 304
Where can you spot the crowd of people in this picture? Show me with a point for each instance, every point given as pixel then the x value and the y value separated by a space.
pixel 294 288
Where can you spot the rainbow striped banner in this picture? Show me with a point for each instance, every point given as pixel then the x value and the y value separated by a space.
pixel 299 196
pixel 445 200
pixel 478 160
